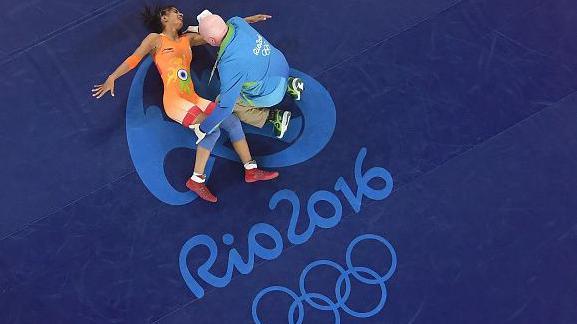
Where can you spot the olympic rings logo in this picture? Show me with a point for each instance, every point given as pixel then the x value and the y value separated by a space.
pixel 324 303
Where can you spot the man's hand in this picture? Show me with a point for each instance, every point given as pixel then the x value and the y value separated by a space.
pixel 199 134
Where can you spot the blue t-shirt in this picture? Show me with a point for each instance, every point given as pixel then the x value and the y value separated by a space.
pixel 250 68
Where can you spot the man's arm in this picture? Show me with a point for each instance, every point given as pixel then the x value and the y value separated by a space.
pixel 229 93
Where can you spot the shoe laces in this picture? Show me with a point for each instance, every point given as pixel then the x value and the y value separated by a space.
pixel 205 190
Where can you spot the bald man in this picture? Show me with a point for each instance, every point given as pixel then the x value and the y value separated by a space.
pixel 253 73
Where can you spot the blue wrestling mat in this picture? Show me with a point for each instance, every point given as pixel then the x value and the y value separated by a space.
pixel 428 175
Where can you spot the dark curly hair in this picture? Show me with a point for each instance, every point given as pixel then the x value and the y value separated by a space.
pixel 151 16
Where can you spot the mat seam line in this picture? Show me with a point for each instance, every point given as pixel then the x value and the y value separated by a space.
pixel 387 38
pixel 11 56
pixel 69 204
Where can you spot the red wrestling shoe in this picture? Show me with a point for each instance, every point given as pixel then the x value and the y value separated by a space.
pixel 201 190
pixel 254 175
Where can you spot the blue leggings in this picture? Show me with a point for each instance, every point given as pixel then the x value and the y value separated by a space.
pixel 231 125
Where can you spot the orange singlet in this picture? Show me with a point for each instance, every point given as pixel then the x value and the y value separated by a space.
pixel 181 103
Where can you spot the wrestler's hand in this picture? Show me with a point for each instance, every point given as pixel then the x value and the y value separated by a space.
pixel 199 134
pixel 100 90
pixel 257 18
pixel 192 29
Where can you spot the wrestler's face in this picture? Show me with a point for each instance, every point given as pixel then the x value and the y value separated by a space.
pixel 173 17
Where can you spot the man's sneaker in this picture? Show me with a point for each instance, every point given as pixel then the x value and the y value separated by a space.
pixel 201 190
pixel 255 175
pixel 296 86
pixel 280 122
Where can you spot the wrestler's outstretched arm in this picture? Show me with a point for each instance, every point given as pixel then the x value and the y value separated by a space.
pixel 257 18
pixel 146 47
